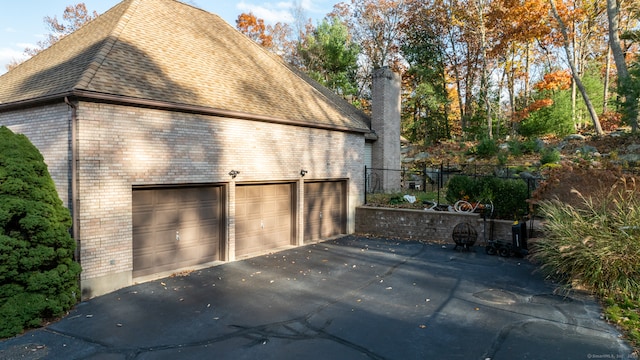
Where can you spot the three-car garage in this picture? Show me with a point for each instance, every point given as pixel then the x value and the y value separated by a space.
pixel 177 227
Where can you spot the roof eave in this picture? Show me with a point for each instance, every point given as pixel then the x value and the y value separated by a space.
pixel 165 105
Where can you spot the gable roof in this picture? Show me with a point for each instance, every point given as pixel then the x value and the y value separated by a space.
pixel 168 52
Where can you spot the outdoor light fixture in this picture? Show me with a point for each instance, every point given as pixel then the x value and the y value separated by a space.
pixel 303 172
pixel 234 173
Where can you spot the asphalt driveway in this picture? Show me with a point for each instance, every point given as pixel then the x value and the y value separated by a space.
pixel 350 298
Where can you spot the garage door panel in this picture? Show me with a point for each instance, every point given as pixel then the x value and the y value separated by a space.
pixel 325 209
pixel 263 217
pixel 175 227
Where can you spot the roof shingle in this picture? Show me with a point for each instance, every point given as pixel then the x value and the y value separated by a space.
pixel 164 50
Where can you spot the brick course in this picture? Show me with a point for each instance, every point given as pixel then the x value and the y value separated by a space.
pixel 120 147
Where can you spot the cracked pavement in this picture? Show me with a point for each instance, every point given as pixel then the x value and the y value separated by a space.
pixel 348 298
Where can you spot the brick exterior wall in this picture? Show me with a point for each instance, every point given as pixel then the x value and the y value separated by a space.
pixel 424 225
pixel 48 128
pixel 120 147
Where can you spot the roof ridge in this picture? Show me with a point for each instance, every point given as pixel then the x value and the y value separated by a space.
pixel 92 68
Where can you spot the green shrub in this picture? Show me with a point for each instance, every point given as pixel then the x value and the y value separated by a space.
pixel 460 187
pixel 550 156
pixel 519 148
pixel 38 277
pixel 509 196
pixel 487 148
pixel 595 246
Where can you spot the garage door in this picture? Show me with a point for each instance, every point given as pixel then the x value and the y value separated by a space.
pixel 325 209
pixel 264 218
pixel 175 228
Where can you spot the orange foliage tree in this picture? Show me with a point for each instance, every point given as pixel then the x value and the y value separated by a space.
pixel 254 28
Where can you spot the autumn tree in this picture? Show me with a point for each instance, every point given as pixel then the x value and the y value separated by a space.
pixel 73 18
pixel 254 28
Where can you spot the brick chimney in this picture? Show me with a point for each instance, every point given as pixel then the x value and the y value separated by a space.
pixel 385 121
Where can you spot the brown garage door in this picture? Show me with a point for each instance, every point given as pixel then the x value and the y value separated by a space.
pixel 325 209
pixel 175 227
pixel 264 217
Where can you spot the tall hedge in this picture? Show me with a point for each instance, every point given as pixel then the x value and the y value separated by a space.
pixel 509 196
pixel 38 275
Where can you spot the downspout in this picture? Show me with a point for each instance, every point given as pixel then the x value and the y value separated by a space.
pixel 75 230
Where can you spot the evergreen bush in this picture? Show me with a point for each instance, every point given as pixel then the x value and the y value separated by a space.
pixel 508 196
pixel 487 148
pixel 38 275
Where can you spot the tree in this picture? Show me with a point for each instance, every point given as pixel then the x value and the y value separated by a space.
pixel 254 28
pixel 624 86
pixel 574 71
pixel 73 18
pixel 377 26
pixel 38 276
pixel 330 56
pixel 426 105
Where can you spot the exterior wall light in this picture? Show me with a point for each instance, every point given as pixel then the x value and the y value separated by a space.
pixel 303 172
pixel 234 173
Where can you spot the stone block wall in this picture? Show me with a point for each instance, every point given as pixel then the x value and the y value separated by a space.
pixel 425 225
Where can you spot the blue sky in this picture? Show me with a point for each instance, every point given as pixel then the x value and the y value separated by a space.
pixel 21 21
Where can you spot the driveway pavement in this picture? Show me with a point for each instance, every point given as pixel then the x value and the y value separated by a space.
pixel 350 298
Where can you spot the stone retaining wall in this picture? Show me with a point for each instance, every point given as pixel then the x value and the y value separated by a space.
pixel 425 225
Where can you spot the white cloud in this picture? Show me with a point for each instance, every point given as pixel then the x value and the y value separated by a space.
pixel 26 45
pixel 10 30
pixel 270 13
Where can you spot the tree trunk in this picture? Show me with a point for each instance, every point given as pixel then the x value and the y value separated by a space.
pixel 631 103
pixel 574 71
pixel 605 102
pixel 484 81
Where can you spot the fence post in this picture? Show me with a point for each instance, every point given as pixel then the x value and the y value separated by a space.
pixel 365 185
pixel 440 179
pixel 424 178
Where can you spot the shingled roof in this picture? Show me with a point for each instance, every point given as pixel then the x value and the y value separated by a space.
pixel 168 52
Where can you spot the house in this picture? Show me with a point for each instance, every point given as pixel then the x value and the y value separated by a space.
pixel 177 143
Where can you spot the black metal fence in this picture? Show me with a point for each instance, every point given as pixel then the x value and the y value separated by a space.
pixel 435 178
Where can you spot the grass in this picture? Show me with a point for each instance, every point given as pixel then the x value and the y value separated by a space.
pixel 625 314
pixel 596 246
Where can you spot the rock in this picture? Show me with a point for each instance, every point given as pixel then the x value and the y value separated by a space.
pixel 633 148
pixel 574 137
pixel 632 158
pixel 527 175
pixel 586 149
pixel 422 156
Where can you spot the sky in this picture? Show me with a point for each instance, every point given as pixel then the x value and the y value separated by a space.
pixel 22 25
